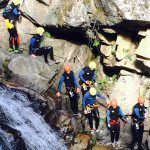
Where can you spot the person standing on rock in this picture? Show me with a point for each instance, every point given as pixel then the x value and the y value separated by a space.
pixel 87 77
pixel 36 50
pixel 138 118
pixel 11 15
pixel 91 108
pixel 72 87
pixel 114 113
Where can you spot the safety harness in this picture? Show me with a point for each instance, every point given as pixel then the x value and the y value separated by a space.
pixel 89 108
pixel 85 86
pixel 115 122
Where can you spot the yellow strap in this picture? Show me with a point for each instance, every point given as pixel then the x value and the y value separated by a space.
pixel 8 24
pixel 88 107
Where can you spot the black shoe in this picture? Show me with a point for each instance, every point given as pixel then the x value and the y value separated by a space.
pixel 140 148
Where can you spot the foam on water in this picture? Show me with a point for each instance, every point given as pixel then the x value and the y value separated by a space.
pixel 16 111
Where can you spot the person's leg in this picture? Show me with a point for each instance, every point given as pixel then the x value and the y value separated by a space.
pixel 90 118
pixel 51 54
pixel 96 117
pixel 74 102
pixel 42 51
pixel 141 130
pixel 112 133
pixel 10 39
pixel 15 38
pixel 49 50
pixel 134 131
pixel 117 132
pixel 84 90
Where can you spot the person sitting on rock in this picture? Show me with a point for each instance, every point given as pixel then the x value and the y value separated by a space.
pixel 87 77
pixel 72 88
pixel 91 108
pixel 114 113
pixel 36 50
pixel 11 15
pixel 138 118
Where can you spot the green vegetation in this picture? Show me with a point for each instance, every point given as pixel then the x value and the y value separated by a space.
pixel 106 82
pixel 7 71
pixel 126 50
pixel 86 1
pixel 96 43
pixel 94 140
pixel 114 49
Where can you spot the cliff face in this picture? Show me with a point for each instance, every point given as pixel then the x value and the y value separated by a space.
pixel 114 33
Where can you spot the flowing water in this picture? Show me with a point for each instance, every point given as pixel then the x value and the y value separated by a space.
pixel 21 127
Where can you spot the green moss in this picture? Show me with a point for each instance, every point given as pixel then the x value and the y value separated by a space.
pixel 106 82
pixel 86 1
pixel 113 49
pixel 7 71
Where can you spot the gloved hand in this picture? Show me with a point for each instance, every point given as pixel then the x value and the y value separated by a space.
pixel 107 101
pixel 87 82
pixel 85 111
pixel 109 125
pixel 95 84
pixel 78 91
pixel 20 18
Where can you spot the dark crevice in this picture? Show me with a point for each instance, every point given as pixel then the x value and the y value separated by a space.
pixel 75 35
pixel 40 1
pixel 140 65
pixel 28 17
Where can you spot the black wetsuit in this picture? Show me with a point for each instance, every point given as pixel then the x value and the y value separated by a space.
pixel 138 126
pixel 39 51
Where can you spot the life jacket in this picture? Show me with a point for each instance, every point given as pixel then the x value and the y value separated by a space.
pixel 141 112
pixel 114 115
pixel 35 41
pixel 88 74
pixel 9 14
pixel 69 80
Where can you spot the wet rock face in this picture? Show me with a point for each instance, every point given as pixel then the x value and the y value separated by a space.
pixel 82 12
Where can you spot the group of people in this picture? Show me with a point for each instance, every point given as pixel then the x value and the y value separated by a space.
pixel 90 107
pixel 87 81
pixel 12 14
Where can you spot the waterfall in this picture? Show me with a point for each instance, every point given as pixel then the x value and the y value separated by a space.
pixel 21 128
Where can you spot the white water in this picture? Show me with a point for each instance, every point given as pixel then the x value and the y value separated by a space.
pixel 36 134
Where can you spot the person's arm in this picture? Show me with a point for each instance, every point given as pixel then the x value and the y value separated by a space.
pixel 108 116
pixel 94 77
pixel 101 96
pixel 81 73
pixel 84 99
pixel 123 116
pixel 60 83
pixel 121 113
pixel 136 110
pixel 16 12
pixel 32 43
pixel 75 81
